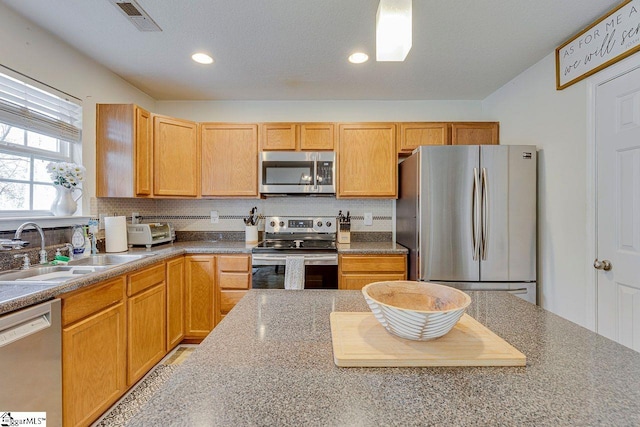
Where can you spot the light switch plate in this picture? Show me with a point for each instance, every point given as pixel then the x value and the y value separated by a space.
pixel 368 218
pixel 214 217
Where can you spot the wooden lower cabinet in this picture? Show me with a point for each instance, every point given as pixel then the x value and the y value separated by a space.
pixel 356 271
pixel 146 321
pixel 175 302
pixel 233 282
pixel 94 351
pixel 200 302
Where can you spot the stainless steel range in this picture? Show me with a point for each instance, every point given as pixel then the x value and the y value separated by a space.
pixel 288 238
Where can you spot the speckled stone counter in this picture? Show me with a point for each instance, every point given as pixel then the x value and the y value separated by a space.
pixel 270 362
pixel 372 248
pixel 13 297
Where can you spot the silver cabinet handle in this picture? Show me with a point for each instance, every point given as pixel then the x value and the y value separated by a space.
pixel 475 228
pixel 605 264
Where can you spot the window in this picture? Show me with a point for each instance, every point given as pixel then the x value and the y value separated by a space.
pixel 37 126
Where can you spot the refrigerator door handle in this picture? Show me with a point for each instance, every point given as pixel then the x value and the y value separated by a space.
pixel 475 229
pixel 485 213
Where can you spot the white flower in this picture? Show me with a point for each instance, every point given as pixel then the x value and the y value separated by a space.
pixel 65 174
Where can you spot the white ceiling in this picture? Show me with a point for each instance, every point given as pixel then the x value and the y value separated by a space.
pixel 297 49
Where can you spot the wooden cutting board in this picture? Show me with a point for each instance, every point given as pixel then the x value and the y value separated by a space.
pixel 360 340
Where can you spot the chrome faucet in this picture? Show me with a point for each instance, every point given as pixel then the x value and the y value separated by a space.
pixel 17 237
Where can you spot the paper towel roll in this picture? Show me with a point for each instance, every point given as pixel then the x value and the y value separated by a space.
pixel 115 233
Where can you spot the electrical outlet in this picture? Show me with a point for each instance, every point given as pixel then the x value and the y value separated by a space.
pixel 134 217
pixel 101 221
pixel 214 217
pixel 368 218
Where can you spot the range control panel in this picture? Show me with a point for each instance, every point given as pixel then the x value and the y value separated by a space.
pixel 280 224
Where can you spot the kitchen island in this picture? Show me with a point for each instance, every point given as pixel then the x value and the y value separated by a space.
pixel 270 362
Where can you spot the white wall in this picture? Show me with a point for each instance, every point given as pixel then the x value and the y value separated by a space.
pixel 318 111
pixel 26 48
pixel 532 111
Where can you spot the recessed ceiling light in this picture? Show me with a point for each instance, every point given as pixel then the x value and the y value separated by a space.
pixel 358 58
pixel 202 58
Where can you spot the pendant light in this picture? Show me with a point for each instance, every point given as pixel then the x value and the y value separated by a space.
pixel 393 30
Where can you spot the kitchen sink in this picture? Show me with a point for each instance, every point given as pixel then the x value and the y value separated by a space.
pixel 108 259
pixel 57 273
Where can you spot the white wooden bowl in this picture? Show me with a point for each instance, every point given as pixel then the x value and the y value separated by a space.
pixel 416 310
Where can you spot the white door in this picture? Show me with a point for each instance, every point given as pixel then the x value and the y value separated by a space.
pixel 618 208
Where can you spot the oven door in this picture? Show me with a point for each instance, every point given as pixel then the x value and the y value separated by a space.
pixel 321 271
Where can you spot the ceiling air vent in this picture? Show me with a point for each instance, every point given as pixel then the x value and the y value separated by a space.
pixel 136 15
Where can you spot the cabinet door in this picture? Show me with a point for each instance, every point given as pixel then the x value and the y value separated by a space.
pixel 200 296
pixel 317 136
pixel 146 339
pixel 413 135
pixel 115 155
pixel 144 152
pixel 175 302
pixel 476 133
pixel 176 157
pixel 367 160
pixel 229 159
pixel 278 136
pixel 93 365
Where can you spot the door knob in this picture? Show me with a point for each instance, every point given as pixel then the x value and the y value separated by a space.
pixel 605 264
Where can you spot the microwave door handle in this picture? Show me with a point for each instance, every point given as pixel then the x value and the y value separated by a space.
pixel 315 173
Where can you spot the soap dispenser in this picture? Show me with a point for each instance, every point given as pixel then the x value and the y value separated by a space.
pixel 77 240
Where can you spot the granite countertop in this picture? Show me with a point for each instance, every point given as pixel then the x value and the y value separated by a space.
pixel 372 248
pixel 13 297
pixel 270 362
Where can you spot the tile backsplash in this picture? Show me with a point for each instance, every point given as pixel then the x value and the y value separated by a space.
pixel 195 215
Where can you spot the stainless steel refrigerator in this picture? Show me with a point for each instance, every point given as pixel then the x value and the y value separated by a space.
pixel 468 216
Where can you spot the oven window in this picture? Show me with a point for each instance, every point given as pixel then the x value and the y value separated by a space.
pixel 316 277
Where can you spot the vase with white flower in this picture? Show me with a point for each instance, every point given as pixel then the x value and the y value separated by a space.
pixel 66 177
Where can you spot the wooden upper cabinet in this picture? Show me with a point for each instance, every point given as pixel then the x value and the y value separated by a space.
pixel 278 136
pixel 317 136
pixel 413 135
pixel 176 157
pixel 367 160
pixel 124 151
pixel 297 136
pixel 475 133
pixel 229 159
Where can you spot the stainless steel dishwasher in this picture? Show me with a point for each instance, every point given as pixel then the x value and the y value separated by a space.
pixel 31 361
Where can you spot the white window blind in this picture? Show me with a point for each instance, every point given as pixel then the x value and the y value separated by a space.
pixel 33 109
pixel 37 126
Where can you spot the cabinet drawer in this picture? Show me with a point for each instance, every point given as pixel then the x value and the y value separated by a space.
pixel 240 263
pixel 144 279
pixel 365 263
pixel 228 300
pixel 80 304
pixel 234 280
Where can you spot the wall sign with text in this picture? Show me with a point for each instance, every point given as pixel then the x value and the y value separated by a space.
pixel 608 40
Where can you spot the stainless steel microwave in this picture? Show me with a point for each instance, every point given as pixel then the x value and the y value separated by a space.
pixel 297 172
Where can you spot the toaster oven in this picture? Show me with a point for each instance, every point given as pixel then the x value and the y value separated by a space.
pixel 150 234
